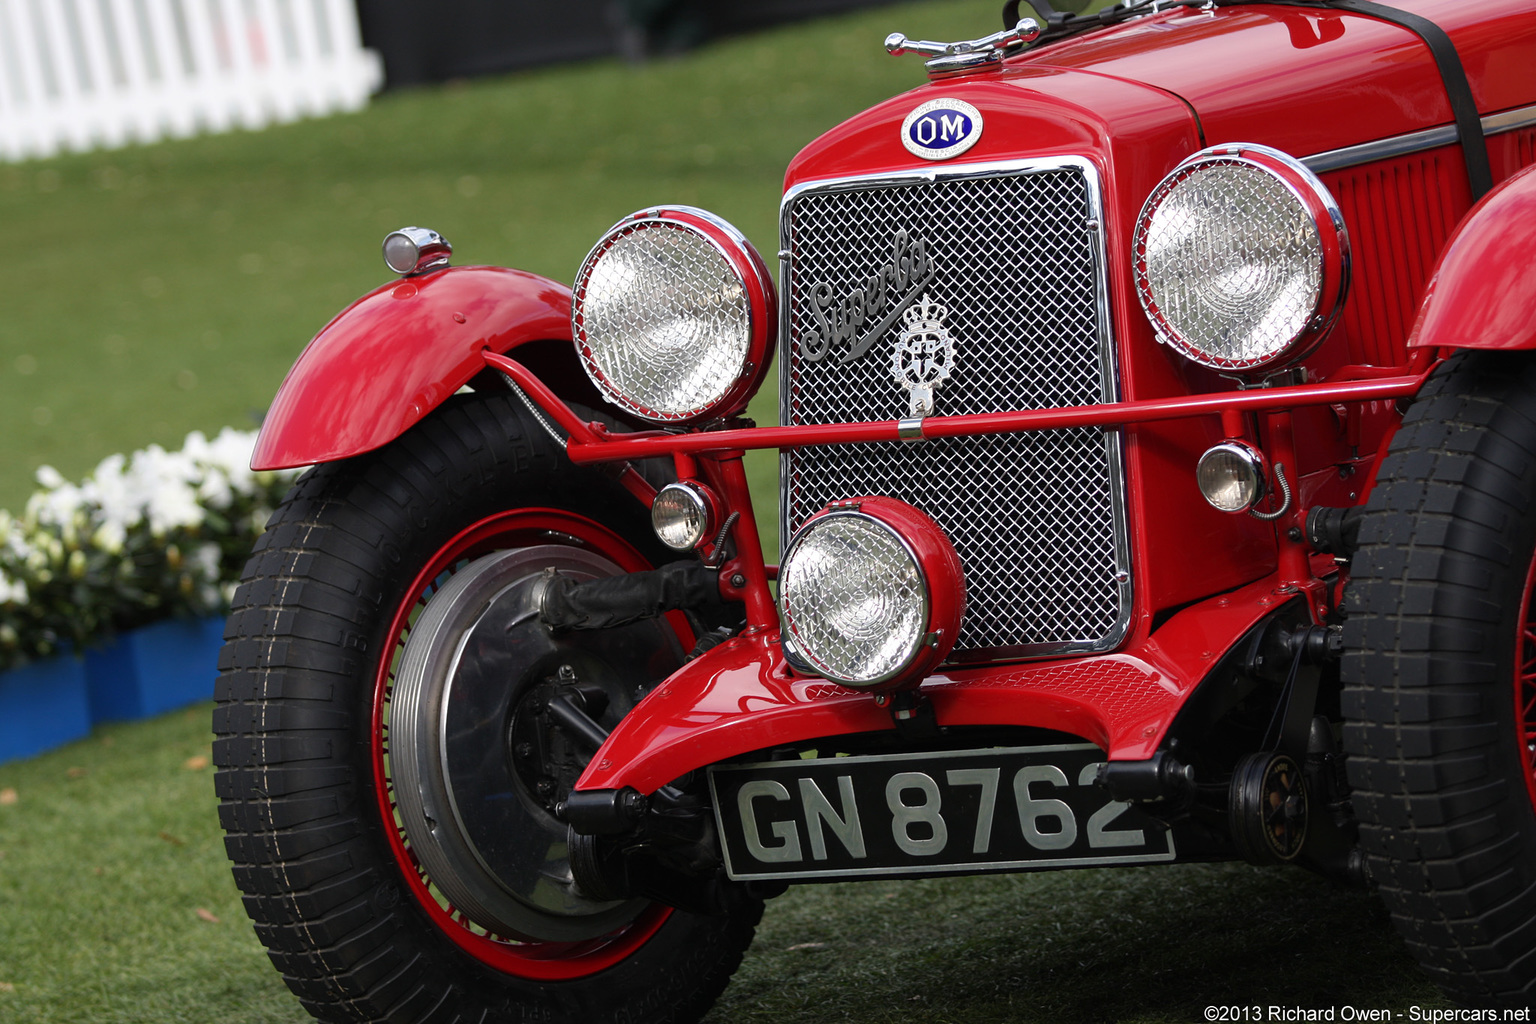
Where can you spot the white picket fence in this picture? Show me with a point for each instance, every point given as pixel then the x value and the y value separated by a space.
pixel 82 74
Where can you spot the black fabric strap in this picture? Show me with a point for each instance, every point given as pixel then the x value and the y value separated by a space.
pixel 1469 125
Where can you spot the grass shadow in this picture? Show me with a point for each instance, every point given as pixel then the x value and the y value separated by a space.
pixel 1148 945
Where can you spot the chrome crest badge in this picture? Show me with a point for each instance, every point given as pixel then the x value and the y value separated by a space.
pixel 940 129
pixel 924 354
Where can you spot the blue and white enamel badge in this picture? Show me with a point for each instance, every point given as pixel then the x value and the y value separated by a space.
pixel 940 129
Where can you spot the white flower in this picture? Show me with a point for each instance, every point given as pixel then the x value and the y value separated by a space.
pixel 172 507
pixel 215 490
pixel 115 494
pixel 110 537
pixel 12 591
pixel 124 502
pixel 204 562
pixel 228 457
pixel 163 483
pixel 57 505
pixel 195 446
pixel 13 540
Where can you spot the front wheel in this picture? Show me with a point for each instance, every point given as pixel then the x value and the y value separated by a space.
pixel 1440 674
pixel 387 782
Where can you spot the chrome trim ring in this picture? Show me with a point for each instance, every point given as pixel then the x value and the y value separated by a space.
pixel 743 264
pixel 1246 457
pixel 1332 265
pixel 692 497
pixel 786 615
pixel 412 251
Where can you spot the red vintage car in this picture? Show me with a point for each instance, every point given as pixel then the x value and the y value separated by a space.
pixel 1158 446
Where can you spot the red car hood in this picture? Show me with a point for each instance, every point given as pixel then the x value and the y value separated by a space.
pixel 1154 89
pixel 1306 80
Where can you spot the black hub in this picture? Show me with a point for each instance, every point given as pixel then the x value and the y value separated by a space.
pixel 1267 808
pixel 559 722
pixel 479 755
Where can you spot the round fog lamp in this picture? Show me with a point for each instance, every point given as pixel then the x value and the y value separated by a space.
pixel 680 517
pixel 1231 476
pixel 870 594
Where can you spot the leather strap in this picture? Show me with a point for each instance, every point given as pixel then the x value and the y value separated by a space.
pixel 1469 124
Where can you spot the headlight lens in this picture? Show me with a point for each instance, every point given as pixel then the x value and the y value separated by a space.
pixel 1231 476
pixel 673 315
pixel 870 594
pixel 680 516
pixel 1242 261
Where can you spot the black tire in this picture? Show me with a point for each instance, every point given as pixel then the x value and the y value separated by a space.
pixel 1439 699
pixel 326 868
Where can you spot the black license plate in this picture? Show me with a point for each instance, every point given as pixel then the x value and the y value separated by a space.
pixel 911 814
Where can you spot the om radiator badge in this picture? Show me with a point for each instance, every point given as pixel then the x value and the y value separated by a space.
pixel 940 129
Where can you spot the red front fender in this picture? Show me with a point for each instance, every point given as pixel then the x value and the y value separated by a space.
pixel 1483 293
pixel 395 354
pixel 740 697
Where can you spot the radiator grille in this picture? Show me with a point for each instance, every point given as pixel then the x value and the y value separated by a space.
pixel 1016 263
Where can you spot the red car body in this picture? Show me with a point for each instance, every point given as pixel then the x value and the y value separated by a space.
pixel 1434 270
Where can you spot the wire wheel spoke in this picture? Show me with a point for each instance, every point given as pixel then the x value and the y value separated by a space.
pixel 1525 682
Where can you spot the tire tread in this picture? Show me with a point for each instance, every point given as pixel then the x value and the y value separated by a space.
pixel 317 879
pixel 1448 832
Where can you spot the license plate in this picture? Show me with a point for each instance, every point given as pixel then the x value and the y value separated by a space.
pixel 997 809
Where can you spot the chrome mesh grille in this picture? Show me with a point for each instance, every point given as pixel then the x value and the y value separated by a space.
pixel 1035 516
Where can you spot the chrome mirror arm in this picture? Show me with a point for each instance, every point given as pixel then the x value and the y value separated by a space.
pixel 897 44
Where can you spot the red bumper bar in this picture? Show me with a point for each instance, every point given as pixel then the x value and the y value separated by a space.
pixel 591 443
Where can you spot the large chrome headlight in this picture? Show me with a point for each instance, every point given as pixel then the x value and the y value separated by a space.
pixel 870 594
pixel 673 315
pixel 1242 260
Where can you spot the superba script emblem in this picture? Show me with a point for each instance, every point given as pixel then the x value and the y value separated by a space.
pixel 841 318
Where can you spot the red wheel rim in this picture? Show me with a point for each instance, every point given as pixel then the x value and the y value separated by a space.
pixel 542 960
pixel 1525 684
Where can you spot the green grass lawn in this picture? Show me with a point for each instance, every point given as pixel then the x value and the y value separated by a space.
pixel 117 905
pixel 160 289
